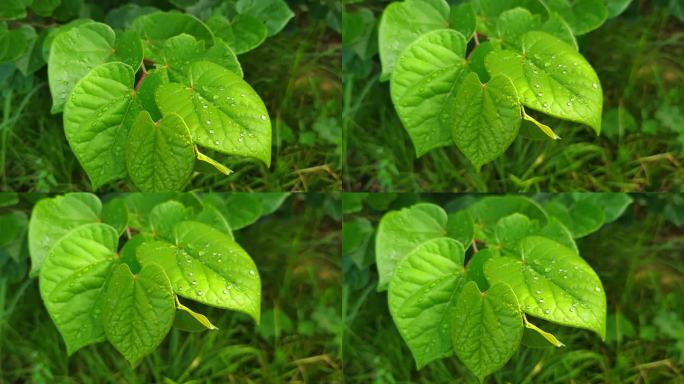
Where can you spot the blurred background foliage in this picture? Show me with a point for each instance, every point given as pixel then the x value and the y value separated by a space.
pixel 637 56
pixel 296 72
pixel 296 250
pixel 639 258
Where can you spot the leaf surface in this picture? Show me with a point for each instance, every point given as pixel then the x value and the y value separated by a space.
pixel 155 28
pixel 243 33
pixel 274 14
pixel 583 15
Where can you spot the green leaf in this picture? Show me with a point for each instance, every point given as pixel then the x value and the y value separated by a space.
pixel 14 9
pixel 243 33
pixel 73 280
pixel 32 60
pixel 53 218
pixel 489 328
pixel 197 317
pixel 485 118
pixel 476 265
pixel 155 28
pixel 476 61
pixel 404 22
pixel 427 76
pixel 553 283
pixel 556 231
pixel 357 234
pixel 242 209
pixel 54 31
pixel 122 17
pixel 12 44
pixel 44 7
pixel 583 16
pixel 616 7
pixel 493 8
pixel 221 110
pixel 177 53
pixel 513 23
pixel 138 310
pixel 551 77
pixel 399 232
pixel 422 297
pixel 271 201
pixel 275 14
pixel 556 26
pixel 159 155
pixel 212 216
pixel 97 119
pixel 115 213
pixel 463 19
pixel 581 218
pixel 487 211
pixel 208 266
pixel 460 227
pixel 76 51
pixel 549 337
pixel 613 204
pixel 510 230
pixel 148 88
pixel 164 217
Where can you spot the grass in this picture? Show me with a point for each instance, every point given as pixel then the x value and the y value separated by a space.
pixel 295 72
pixel 296 253
pixel 639 261
pixel 637 59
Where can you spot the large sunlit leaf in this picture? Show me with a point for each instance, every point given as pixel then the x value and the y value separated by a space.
pixel 427 75
pixel 487 328
pixel 75 52
pixel 221 110
pixel 422 297
pixel 159 155
pixel 551 77
pixel 553 283
pixel 97 119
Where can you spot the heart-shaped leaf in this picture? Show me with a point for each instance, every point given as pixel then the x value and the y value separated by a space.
pixel 399 232
pixel 221 110
pixel 78 50
pixel 159 155
pixel 177 53
pixel 428 74
pixel 208 266
pixel 274 14
pixel 487 328
pixel 12 44
pixel 243 33
pixel 155 28
pixel 581 218
pixel 551 77
pixel 583 15
pixel 73 280
pixel 553 283
pixel 97 119
pixel 422 297
pixel 138 311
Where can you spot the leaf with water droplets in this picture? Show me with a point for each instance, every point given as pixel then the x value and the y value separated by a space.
pixel 583 15
pixel 97 119
pixel 488 328
pixel 404 22
pixel 554 283
pixel 399 232
pixel 427 76
pixel 422 297
pixel 55 217
pixel 485 118
pixel 243 33
pixel 551 77
pixel 221 110
pixel 208 266
pixel 73 280
pixel 138 310
pixel 76 51
pixel 159 155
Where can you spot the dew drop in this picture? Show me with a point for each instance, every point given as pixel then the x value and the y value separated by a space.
pixel 211 131
pixel 251 272
pixel 199 293
pixel 541 300
pixel 263 117
pixel 225 291
pixel 597 289
pixel 547 311
pixel 217 142
pixel 193 282
pixel 537 85
pixel 595 85
pixel 547 269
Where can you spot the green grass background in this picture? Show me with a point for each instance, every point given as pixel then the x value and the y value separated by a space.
pixel 638 57
pixel 297 253
pixel 640 261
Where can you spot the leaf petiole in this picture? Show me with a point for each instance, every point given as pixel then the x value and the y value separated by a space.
pixel 545 128
pixel 548 336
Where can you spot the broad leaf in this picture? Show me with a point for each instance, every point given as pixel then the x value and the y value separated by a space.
pixel 488 328
pixel 510 230
pixel 14 9
pixel 208 266
pixel 399 232
pixel 485 118
pixel 148 89
pixel 164 217
pixel 616 7
pixel 97 118
pixel 581 218
pixel 422 297
pixel 32 60
pixel 243 33
pixel 583 15
pixel 551 77
pixel 44 7
pixel 404 22
pixel 73 280
pixel 195 319
pixel 78 50
pixel 159 155
pixel 476 265
pixel 155 28
pixel 138 311
pixel 177 53
pixel 558 232
pixel 53 218
pixel 275 14
pixel 553 283
pixel 427 75
pixel 460 227
pixel 463 19
pixel 12 44
pixel 242 209
pixel 487 211
pixel 115 213
pixel 613 204
pixel 493 8
pixel 221 110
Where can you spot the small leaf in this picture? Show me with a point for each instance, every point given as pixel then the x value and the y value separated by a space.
pixel 422 297
pixel 177 53
pixel 275 14
pixel 404 22
pixel 97 119
pixel 12 44
pixel 546 335
pixel 487 211
pixel 485 118
pixel 159 156
pixel 460 227
pixel 200 318
pixel 583 15
pixel 463 19
pixel 553 283
pixel 242 209
pixel 221 110
pixel 551 77
pixel 399 232
pixel 155 28
pixel 220 167
pixel 475 268
pixel 148 88
pixel 115 213
pixel 613 204
pixel 487 328
pixel 510 230
pixel 427 75
pixel 138 310
pixel 164 217
pixel 581 218
pixel 243 33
